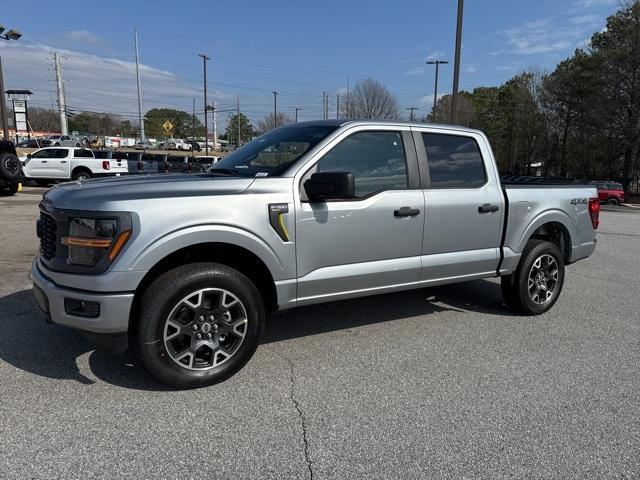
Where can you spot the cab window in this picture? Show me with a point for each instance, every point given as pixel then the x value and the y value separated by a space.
pixel 377 161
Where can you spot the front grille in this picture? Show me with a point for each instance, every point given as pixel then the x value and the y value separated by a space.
pixel 47 233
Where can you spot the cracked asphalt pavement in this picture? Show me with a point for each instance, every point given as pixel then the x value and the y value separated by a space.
pixel 435 383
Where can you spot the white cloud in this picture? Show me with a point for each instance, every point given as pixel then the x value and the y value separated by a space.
pixel 471 68
pixel 587 19
pixel 541 36
pixel 594 3
pixel 95 83
pixel 417 70
pixel 438 54
pixel 82 36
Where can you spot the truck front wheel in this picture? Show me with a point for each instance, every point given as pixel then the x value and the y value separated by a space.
pixel 537 282
pixel 199 324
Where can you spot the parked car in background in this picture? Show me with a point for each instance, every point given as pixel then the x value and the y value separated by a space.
pixel 56 164
pixel 174 144
pixel 177 164
pixel 203 162
pixel 195 146
pixel 120 158
pixel 609 192
pixel 138 162
pixel 34 143
pixel 68 141
pixel 10 169
pixel 144 145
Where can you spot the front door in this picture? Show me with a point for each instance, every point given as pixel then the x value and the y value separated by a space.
pixel 352 247
pixel 46 163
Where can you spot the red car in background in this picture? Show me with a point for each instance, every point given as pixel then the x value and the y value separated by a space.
pixel 611 193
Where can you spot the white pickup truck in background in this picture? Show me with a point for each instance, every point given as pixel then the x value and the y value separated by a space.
pixel 53 164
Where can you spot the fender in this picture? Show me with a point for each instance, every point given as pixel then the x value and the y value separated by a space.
pixel 172 241
pixel 547 216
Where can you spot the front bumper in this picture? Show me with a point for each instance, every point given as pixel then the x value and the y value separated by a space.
pixel 113 317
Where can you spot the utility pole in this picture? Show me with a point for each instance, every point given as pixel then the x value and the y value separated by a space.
pixel 347 114
pixel 338 105
pixel 140 118
pixel 215 126
pixel 3 106
pixel 193 119
pixel 297 110
pixel 275 109
pixel 437 63
pixel 324 103
pixel 206 117
pixel 456 66
pixel 62 107
pixel 238 120
pixel 411 110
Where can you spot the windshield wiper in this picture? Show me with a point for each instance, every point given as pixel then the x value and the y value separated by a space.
pixel 226 172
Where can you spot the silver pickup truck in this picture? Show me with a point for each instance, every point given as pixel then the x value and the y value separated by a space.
pixel 184 268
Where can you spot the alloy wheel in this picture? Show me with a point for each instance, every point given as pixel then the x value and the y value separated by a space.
pixel 205 329
pixel 543 279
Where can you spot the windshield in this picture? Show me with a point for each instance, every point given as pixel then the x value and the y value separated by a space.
pixel 271 154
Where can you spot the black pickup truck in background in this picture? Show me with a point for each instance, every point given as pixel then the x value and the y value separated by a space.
pixel 10 169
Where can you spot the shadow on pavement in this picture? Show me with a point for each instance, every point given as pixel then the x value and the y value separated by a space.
pixel 51 351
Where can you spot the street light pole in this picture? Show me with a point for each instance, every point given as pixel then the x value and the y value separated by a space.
pixel 206 121
pixel 297 110
pixel 437 63
pixel 10 35
pixel 411 110
pixel 456 67
pixel 3 106
pixel 275 109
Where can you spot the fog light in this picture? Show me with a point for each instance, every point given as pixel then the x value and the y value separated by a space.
pixel 81 308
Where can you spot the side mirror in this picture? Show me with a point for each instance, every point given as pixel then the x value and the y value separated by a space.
pixel 28 155
pixel 330 185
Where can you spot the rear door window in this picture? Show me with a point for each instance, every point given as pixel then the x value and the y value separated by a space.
pixel 454 161
pixel 83 153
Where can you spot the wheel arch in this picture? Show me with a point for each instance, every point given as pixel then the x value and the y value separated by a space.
pixel 231 255
pixel 81 168
pixel 555 227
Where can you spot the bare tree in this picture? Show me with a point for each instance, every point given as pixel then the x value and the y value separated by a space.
pixel 267 123
pixel 371 99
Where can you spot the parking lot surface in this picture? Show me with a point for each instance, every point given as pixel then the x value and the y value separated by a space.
pixel 433 383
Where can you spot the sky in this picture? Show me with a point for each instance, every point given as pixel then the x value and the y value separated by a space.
pixel 298 48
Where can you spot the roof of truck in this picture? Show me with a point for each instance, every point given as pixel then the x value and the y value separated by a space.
pixel 339 122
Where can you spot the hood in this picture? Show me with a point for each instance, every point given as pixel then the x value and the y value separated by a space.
pixel 94 194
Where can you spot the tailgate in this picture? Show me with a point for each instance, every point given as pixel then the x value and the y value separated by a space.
pixel 118 165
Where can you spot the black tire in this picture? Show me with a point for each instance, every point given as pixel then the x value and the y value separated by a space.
pixel 57 144
pixel 43 183
pixel 81 175
pixel 8 190
pixel 518 293
pixel 166 294
pixel 613 201
pixel 9 166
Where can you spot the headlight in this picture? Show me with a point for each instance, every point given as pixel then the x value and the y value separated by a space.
pixel 91 238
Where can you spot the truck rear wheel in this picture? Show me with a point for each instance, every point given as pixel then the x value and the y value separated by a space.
pixel 81 175
pixel 199 324
pixel 537 282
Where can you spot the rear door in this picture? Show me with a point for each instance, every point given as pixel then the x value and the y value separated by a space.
pixel 357 246
pixel 464 205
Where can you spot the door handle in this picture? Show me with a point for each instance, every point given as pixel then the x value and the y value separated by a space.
pixel 406 212
pixel 488 208
pixel 63 161
pixel 43 161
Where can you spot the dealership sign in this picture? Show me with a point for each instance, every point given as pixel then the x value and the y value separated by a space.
pixel 20 115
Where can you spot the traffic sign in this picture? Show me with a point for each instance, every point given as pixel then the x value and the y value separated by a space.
pixel 168 126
